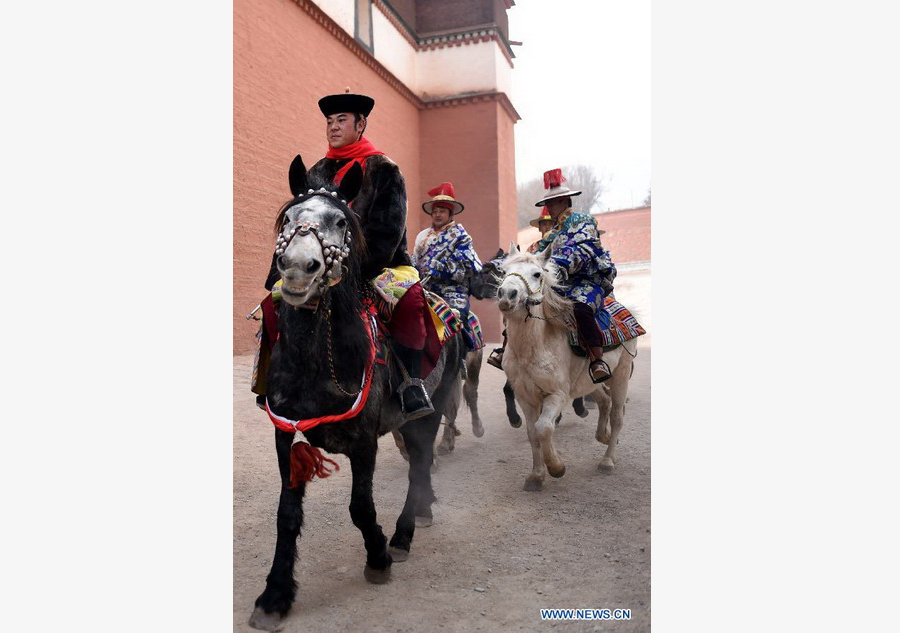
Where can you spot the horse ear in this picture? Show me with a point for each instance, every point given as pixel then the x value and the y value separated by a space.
pixel 499 254
pixel 543 257
pixel 297 176
pixel 351 183
pixel 513 249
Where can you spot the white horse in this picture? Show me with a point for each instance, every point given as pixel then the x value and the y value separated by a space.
pixel 544 372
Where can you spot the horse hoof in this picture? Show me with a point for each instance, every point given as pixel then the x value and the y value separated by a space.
pixel 606 465
pixel 398 555
pixel 377 576
pixel 515 422
pixel 578 407
pixel 424 521
pixel 532 485
pixel 559 473
pixel 443 450
pixel 477 431
pixel 259 619
pixel 456 432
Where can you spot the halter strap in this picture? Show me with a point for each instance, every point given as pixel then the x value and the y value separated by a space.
pixel 531 293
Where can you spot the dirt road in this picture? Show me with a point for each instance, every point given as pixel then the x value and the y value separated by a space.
pixel 495 554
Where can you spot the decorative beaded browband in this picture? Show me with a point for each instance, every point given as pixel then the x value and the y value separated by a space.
pixel 334 253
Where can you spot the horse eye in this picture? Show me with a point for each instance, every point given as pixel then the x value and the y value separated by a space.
pixel 341 223
pixel 537 275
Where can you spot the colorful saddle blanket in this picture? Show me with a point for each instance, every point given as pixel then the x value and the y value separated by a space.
pixel 473 332
pixel 441 323
pixel 622 327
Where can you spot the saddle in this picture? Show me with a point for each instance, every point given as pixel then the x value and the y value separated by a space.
pixel 442 325
pixel 622 327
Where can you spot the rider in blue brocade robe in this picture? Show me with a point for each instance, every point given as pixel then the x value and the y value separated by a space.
pixel 444 255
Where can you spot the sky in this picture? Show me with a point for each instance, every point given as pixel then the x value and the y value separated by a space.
pixel 581 83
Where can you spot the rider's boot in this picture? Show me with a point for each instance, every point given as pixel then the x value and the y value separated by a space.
pixel 591 337
pixel 496 357
pixel 414 400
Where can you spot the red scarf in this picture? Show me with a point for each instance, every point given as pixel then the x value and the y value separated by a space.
pixel 358 152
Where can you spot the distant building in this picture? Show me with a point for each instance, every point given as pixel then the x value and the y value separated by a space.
pixel 440 73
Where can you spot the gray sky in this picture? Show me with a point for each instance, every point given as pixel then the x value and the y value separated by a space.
pixel 582 86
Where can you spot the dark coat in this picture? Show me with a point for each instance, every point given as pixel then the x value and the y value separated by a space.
pixel 381 207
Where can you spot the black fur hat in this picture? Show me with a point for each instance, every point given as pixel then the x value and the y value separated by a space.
pixel 332 104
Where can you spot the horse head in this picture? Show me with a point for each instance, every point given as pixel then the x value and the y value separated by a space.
pixel 528 280
pixel 319 240
pixel 484 284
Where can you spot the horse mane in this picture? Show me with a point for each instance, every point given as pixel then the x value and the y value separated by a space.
pixel 556 304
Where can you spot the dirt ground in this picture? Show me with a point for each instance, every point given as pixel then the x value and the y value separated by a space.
pixel 495 554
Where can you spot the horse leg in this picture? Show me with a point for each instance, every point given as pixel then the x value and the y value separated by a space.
pixel 470 390
pixel 362 511
pixel 419 438
pixel 535 480
pixel 448 439
pixel 398 440
pixel 618 394
pixel 281 589
pixel 604 404
pixel 450 411
pixel 514 420
pixel 552 407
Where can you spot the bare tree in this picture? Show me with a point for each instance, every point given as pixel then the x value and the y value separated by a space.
pixel 647 199
pixel 579 177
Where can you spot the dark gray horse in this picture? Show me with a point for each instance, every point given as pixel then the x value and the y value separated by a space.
pixel 319 367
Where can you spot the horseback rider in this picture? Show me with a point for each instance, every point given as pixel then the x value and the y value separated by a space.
pixel 381 209
pixel 444 255
pixel 585 268
pixel 543 223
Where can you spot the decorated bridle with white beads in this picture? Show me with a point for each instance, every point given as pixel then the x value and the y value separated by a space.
pixel 334 253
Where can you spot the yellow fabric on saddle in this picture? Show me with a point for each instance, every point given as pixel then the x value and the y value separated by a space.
pixel 393 283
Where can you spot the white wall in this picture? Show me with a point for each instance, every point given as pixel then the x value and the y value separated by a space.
pixel 452 70
pixel 431 74
pixel 393 50
pixel 341 11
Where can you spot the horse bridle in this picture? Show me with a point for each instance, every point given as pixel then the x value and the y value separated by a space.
pixel 528 301
pixel 333 253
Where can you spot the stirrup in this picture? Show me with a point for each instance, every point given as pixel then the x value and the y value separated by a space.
pixel 496 358
pixel 599 371
pixel 425 407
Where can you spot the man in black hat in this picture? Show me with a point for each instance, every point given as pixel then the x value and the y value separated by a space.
pixel 381 207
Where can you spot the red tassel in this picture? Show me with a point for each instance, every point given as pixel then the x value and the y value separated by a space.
pixel 443 189
pixel 308 462
pixel 553 178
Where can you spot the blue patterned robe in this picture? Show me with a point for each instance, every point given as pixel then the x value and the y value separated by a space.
pixel 448 258
pixel 575 248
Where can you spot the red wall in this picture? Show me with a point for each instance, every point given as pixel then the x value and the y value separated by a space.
pixel 627 235
pixel 284 61
pixel 471 146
